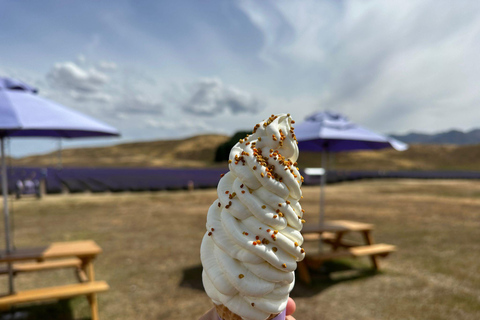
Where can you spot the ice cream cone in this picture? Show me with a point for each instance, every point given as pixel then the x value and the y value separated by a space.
pixel 225 314
pixel 252 241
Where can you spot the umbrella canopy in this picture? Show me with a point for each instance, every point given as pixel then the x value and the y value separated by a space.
pixel 334 132
pixel 24 114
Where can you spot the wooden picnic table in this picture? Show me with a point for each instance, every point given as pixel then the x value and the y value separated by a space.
pixel 332 233
pixel 75 254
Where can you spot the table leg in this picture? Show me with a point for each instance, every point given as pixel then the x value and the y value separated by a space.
pixel 338 240
pixel 90 271
pixel 369 240
pixel 303 272
pixel 11 287
pixel 92 298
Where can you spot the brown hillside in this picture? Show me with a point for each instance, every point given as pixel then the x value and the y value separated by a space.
pixel 199 151
pixel 417 157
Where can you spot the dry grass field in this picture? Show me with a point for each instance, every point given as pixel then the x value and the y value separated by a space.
pixel 151 252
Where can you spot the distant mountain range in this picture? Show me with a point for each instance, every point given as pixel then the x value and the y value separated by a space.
pixel 449 137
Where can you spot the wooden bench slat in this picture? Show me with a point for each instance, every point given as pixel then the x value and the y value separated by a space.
pixel 330 255
pixel 374 249
pixel 81 248
pixel 317 236
pixel 53 293
pixel 48 264
pixel 330 238
pixel 85 248
pixel 311 237
pixel 338 226
pixel 343 243
pixel 44 265
pixel 315 260
pixel 350 225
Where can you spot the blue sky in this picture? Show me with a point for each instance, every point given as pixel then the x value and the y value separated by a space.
pixel 171 69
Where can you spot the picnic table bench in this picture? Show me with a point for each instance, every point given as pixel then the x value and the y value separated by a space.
pixel 332 233
pixel 77 254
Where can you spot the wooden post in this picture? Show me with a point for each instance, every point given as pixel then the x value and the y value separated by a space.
pixel 92 298
pixel 338 240
pixel 6 214
pixel 303 272
pixel 369 240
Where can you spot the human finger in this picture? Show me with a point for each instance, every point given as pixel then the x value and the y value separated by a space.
pixel 291 306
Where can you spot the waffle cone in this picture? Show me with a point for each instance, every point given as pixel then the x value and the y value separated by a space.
pixel 225 314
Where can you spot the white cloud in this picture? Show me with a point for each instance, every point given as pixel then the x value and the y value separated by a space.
pixel 69 75
pixel 209 96
pixel 390 65
pixel 303 32
pixel 88 87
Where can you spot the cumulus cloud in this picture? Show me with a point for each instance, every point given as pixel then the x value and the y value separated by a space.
pixel 82 81
pixel 95 87
pixel 211 96
pixel 70 76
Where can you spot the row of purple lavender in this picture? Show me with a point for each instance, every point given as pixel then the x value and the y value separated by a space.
pixel 154 179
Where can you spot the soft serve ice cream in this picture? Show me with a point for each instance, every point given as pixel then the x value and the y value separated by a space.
pixel 252 244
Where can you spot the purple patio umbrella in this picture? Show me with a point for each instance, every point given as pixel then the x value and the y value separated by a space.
pixel 332 132
pixel 24 114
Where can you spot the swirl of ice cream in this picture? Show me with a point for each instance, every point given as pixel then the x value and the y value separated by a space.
pixel 252 244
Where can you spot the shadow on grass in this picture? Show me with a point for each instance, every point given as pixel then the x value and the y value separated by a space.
pixel 331 273
pixel 60 310
pixel 192 278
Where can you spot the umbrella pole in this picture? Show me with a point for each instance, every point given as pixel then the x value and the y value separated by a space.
pixel 5 213
pixel 59 154
pixel 323 180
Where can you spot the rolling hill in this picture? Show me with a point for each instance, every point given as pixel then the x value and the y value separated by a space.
pixel 417 157
pixel 199 151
